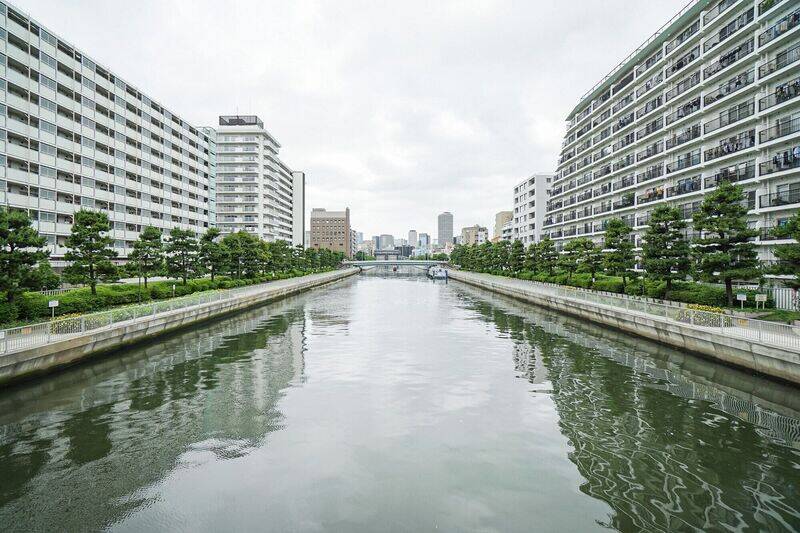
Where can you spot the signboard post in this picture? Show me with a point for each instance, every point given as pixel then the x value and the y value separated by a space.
pixel 762 299
pixel 742 297
pixel 52 305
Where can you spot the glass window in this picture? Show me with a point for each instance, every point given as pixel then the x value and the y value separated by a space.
pixel 47 194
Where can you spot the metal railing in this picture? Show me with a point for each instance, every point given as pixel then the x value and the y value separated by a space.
pixel 782 129
pixel 772 333
pixel 787 57
pixel 46 332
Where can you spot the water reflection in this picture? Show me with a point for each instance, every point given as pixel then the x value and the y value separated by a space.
pixel 664 449
pixel 119 425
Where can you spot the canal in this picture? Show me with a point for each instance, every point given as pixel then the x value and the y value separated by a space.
pixel 397 403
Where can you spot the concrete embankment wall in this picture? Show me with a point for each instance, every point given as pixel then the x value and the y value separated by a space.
pixel 30 362
pixel 773 361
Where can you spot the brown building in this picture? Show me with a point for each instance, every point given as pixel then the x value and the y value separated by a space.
pixel 331 230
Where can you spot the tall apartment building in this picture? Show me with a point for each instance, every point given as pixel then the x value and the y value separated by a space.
pixel 530 199
pixel 75 135
pixel 413 239
pixel 256 191
pixel 331 230
pixel 444 228
pixel 714 95
pixel 500 220
pixel 474 235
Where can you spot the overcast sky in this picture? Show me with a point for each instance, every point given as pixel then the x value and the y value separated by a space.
pixel 399 110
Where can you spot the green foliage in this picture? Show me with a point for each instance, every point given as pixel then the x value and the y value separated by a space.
pixel 21 249
pixel 788 254
pixel 213 255
pixel 245 254
pixel 516 256
pixel 546 256
pixel 181 253
pixel 89 250
pixel 147 257
pixel 619 257
pixel 724 251
pixel 42 278
pixel 665 252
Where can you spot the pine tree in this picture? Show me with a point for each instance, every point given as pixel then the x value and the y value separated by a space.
pixel 516 256
pixel 89 250
pixel 665 251
pixel 21 249
pixel 181 254
pixel 619 256
pixel 547 256
pixel 788 254
pixel 591 257
pixel 212 253
pixel 148 253
pixel 529 264
pixel 570 258
pixel 724 251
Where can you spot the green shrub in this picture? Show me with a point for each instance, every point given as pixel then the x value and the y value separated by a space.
pixel 8 311
pixel 608 284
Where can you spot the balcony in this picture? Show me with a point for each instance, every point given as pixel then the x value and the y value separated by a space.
pixel 728 30
pixel 717 10
pixel 766 5
pixel 783 93
pixel 732 174
pixel 790 21
pixel 683 61
pixel 685 187
pixel 683 86
pixel 652 127
pixel 687 160
pixel 729 58
pixel 624 182
pixel 622 103
pixel 781 161
pixel 732 115
pixel 650 106
pixel 688 135
pixel 789 196
pixel 684 111
pixel 623 82
pixel 652 60
pixel 623 122
pixel 625 201
pixel 650 151
pixel 732 145
pixel 783 59
pixel 784 127
pixel 683 37
pixel 650 196
pixel 651 173
pixel 602 208
pixel 736 83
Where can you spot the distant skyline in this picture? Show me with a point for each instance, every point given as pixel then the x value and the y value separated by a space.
pixel 398 111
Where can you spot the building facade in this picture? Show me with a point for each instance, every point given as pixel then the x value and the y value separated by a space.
pixel 507 231
pixel 444 228
pixel 73 135
pixel 256 191
pixel 474 235
pixel 713 96
pixel 530 199
pixel 499 220
pixel 386 242
pixel 413 238
pixel 331 230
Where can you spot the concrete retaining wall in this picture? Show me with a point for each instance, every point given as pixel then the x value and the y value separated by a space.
pixel 776 362
pixel 42 359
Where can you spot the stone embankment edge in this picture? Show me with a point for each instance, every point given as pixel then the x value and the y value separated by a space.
pixel 43 359
pixel 768 360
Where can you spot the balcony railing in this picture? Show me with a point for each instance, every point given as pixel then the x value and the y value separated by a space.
pixel 732 174
pixel 789 196
pixel 653 149
pixel 729 58
pixel 624 202
pixel 652 127
pixel 650 196
pixel 651 173
pixel 766 5
pixel 715 11
pixel 684 111
pixel 684 61
pixel 652 105
pixel 734 84
pixel 624 182
pixel 781 161
pixel 729 29
pixel 624 102
pixel 792 20
pixel 623 122
pixel 688 135
pixel 787 57
pixel 685 187
pixel 687 160
pixel 683 86
pixel 783 93
pixel 683 37
pixel 731 146
pixel 602 208
pixel 732 115
pixel 782 129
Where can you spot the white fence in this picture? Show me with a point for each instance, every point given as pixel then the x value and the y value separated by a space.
pixel 773 333
pixel 786 299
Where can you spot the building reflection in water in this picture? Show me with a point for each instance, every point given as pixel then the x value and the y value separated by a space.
pixel 665 447
pixel 211 390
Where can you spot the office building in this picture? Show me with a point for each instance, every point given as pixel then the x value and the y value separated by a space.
pixel 359 237
pixel 474 235
pixel 386 242
pixel 74 135
pixel 445 229
pixel 424 241
pixel 256 191
pixel 413 239
pixel 499 220
pixel 530 199
pixel 713 96
pixel 331 230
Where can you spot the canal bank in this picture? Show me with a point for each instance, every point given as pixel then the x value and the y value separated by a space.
pixel 772 353
pixel 54 352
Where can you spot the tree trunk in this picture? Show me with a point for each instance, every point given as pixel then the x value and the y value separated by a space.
pixel 145 282
pixel 668 289
pixel 729 291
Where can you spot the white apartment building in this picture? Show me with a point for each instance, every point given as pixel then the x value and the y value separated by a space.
pixel 74 135
pixel 413 239
pixel 530 198
pixel 507 231
pixel 714 95
pixel 256 191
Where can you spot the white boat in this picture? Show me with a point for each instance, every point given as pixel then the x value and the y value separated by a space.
pixel 436 272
